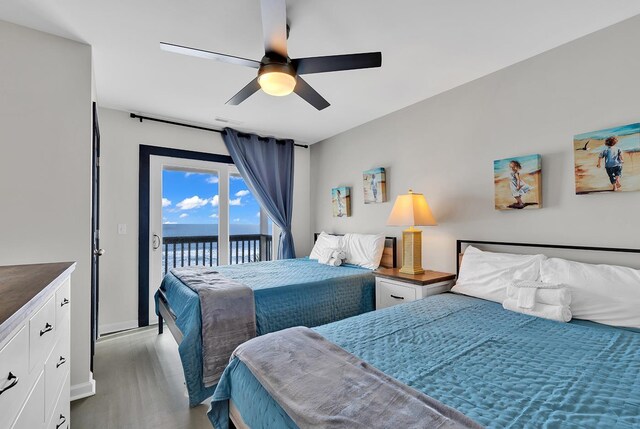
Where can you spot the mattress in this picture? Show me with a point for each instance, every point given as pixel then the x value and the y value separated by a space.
pixel 500 368
pixel 287 293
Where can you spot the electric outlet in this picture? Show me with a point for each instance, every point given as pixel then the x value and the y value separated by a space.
pixel 122 228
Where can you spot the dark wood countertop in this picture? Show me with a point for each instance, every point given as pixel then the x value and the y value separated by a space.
pixel 20 284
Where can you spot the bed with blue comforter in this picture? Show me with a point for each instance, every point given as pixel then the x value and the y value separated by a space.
pixel 500 368
pixel 293 292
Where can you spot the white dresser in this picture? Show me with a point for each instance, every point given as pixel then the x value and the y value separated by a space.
pixel 35 303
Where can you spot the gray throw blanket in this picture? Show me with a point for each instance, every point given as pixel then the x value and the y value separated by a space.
pixel 319 385
pixel 228 317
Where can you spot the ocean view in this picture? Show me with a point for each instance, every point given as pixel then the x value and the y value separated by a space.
pixel 197 230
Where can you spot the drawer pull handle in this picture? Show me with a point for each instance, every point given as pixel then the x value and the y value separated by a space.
pixel 397 297
pixel 62 419
pixel 64 302
pixel 13 383
pixel 47 328
pixel 61 362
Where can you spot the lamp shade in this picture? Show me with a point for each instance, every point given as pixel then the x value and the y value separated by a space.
pixel 411 210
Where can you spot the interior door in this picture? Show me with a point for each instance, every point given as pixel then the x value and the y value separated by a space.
pixel 96 251
pixel 190 248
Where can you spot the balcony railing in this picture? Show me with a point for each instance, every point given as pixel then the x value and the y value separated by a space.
pixel 203 250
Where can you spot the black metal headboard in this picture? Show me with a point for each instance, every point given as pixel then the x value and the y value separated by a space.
pixel 388 255
pixel 460 243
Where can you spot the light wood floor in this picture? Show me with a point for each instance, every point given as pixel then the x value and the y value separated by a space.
pixel 139 385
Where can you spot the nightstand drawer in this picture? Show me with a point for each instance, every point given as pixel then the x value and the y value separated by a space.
pixel 389 294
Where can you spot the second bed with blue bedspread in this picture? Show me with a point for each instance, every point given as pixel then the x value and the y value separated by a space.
pixel 500 368
pixel 293 292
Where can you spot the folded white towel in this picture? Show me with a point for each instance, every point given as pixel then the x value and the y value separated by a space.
pixel 546 293
pixel 339 254
pixel 560 313
pixel 335 262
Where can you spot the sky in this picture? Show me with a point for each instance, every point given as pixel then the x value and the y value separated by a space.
pixel 192 198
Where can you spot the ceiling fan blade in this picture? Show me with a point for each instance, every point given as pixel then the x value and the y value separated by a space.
pixel 337 63
pixel 274 26
pixel 223 58
pixel 310 95
pixel 244 93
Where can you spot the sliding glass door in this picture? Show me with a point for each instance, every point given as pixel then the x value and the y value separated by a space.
pixel 202 214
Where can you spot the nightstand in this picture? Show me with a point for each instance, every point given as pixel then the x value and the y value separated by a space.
pixel 394 287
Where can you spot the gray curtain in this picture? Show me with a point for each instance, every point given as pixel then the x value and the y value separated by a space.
pixel 266 165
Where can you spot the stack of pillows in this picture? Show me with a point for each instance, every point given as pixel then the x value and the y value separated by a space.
pixel 364 250
pixel 553 288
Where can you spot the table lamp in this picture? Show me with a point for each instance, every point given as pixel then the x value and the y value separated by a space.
pixel 411 210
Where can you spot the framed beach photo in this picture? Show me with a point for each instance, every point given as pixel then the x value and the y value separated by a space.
pixel 518 182
pixel 375 186
pixel 341 201
pixel 607 160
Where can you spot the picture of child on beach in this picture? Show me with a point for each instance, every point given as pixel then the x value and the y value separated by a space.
pixel 617 150
pixel 517 183
pixel 341 202
pixel 375 185
pixel 612 162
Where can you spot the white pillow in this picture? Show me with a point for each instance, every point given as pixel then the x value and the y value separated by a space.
pixel 364 250
pixel 487 275
pixel 324 243
pixel 606 294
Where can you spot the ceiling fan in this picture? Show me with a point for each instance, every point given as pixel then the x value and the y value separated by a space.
pixel 278 74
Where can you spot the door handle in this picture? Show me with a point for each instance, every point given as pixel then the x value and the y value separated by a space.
pixel 156 242
pixel 62 419
pixel 98 252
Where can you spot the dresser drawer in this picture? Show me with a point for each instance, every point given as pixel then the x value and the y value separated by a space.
pixel 14 376
pixel 388 294
pixel 32 414
pixel 63 301
pixel 61 417
pixel 56 368
pixel 42 333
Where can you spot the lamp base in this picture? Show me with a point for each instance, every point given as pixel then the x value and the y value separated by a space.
pixel 412 251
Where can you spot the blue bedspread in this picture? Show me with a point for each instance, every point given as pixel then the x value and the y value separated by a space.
pixel 500 368
pixel 288 293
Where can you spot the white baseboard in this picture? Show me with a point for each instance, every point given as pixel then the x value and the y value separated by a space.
pixel 108 328
pixel 83 390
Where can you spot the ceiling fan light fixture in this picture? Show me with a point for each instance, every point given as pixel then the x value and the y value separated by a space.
pixel 277 80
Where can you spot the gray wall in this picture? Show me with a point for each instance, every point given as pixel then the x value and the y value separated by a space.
pixel 120 140
pixel 444 147
pixel 45 167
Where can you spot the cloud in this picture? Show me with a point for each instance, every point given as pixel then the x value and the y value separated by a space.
pixel 212 179
pixel 170 223
pixel 234 177
pixel 215 216
pixel 188 174
pixel 166 202
pixel 192 203
pixel 237 219
pixel 258 214
pixel 242 193
pixel 215 201
pixel 183 215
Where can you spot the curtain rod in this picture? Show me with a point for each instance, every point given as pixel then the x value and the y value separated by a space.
pixel 180 124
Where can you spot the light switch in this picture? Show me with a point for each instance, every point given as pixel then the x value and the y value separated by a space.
pixel 122 228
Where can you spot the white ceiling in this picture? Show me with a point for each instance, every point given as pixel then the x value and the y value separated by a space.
pixel 428 46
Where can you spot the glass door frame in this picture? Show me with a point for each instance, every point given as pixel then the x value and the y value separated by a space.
pixel 144 237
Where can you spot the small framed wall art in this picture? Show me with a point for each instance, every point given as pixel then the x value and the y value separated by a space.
pixel 341 201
